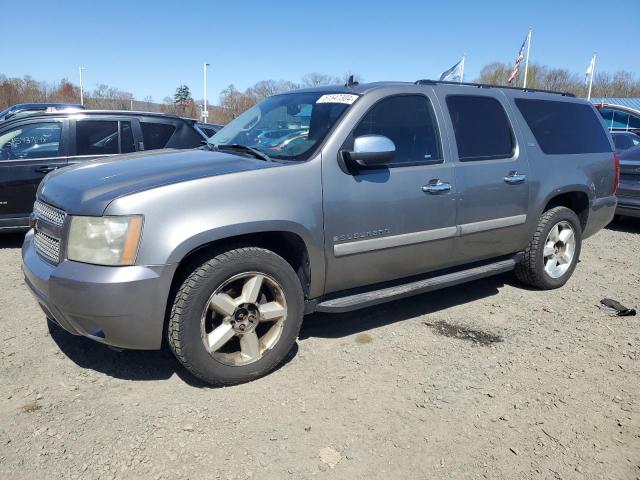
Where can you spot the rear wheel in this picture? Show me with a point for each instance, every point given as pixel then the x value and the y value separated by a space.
pixel 236 316
pixel 551 256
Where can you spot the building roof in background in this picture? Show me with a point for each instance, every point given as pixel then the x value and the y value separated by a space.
pixel 633 103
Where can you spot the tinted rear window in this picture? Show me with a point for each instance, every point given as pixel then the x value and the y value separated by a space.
pixel 564 127
pixel 481 127
pixel 97 137
pixel 156 135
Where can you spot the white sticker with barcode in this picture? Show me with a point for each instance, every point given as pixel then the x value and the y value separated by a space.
pixel 347 98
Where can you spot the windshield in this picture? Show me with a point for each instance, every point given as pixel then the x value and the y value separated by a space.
pixel 288 126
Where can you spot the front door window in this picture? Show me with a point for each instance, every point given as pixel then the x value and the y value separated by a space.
pixel 32 140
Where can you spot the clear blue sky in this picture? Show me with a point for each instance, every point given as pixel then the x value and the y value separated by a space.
pixel 150 47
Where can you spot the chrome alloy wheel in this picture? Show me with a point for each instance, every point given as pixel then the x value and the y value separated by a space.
pixel 559 249
pixel 243 319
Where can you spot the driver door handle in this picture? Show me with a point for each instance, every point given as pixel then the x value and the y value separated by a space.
pixel 514 178
pixel 435 187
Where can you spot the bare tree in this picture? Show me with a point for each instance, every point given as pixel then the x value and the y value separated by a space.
pixel 495 73
pixel 315 79
pixel 620 84
pixel 267 88
pixel 345 77
pixel 561 80
pixel 106 97
pixel 624 84
pixel 234 102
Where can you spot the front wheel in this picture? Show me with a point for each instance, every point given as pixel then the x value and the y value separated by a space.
pixel 236 316
pixel 551 256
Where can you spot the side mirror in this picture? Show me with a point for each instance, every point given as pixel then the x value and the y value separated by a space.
pixel 371 150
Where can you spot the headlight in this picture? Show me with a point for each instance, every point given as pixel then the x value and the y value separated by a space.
pixel 104 240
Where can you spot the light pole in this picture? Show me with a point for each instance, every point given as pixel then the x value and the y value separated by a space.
pixel 80 69
pixel 205 112
pixel 131 103
pixel 591 70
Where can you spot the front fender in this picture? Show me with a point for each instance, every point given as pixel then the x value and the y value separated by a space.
pixel 227 231
pixel 181 217
pixel 315 251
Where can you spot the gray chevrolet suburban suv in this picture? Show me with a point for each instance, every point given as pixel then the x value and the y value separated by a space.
pixel 380 191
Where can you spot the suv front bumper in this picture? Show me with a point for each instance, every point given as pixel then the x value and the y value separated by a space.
pixel 120 306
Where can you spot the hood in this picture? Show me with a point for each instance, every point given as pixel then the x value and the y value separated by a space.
pixel 88 187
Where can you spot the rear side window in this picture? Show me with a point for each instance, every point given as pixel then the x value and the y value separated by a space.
pixel 100 137
pixel 156 135
pixel 481 128
pixel 96 137
pixel 564 127
pixel 409 122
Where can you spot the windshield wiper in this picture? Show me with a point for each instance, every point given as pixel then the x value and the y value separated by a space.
pixel 237 146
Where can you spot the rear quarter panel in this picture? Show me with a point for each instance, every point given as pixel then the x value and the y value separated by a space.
pixel 553 175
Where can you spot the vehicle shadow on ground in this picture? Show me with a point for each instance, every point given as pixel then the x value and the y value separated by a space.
pixel 11 240
pixel 134 365
pixel 325 325
pixel 625 225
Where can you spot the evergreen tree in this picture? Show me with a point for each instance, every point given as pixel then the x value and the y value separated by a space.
pixel 182 96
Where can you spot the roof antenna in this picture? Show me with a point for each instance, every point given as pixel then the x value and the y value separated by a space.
pixel 351 82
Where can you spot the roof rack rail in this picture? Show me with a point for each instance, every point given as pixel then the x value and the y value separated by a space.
pixel 486 85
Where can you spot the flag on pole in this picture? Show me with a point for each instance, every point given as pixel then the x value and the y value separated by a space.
pixel 454 74
pixel 590 69
pixel 516 65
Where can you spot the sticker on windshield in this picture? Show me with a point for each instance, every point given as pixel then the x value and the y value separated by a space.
pixel 347 98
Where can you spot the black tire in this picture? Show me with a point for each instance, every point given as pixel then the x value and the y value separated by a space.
pixel 530 270
pixel 184 326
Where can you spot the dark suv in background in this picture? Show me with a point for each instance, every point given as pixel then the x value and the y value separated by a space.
pixel 32 146
pixel 209 129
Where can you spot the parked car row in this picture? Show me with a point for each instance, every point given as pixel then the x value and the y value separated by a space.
pixel 36 138
pixel 33 145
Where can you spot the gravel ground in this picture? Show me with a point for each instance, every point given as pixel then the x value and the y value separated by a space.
pixel 485 380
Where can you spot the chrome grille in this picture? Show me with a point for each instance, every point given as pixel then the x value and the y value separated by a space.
pixel 48 247
pixel 48 231
pixel 49 213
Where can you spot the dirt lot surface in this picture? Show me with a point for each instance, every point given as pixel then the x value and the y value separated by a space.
pixel 486 380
